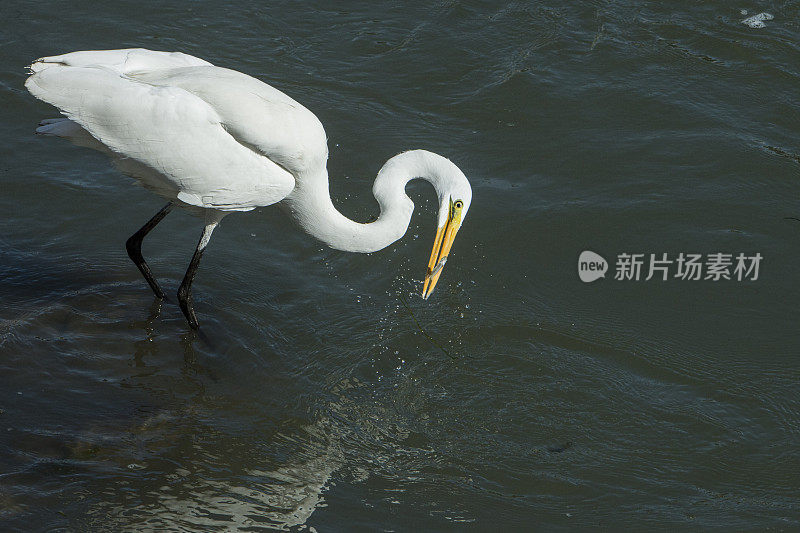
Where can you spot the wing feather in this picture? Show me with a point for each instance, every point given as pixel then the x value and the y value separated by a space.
pixel 177 139
pixel 123 61
pixel 255 113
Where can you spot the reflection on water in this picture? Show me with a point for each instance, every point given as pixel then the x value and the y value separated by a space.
pixel 186 496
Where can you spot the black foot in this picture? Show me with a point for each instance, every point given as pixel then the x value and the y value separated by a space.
pixel 185 301
pixel 185 290
pixel 134 247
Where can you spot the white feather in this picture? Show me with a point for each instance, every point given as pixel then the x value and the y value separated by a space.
pixel 170 139
pixel 214 138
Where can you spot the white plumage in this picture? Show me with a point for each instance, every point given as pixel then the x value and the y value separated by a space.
pixel 214 140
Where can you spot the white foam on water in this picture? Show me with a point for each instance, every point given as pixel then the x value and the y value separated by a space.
pixel 757 21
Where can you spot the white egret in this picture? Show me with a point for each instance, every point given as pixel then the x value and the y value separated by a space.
pixel 213 140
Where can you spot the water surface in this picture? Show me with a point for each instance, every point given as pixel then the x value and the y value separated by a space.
pixel 311 399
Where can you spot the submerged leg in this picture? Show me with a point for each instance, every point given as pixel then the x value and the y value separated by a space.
pixel 134 247
pixel 185 290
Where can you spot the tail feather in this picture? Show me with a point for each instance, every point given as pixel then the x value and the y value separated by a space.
pixel 60 127
pixel 72 131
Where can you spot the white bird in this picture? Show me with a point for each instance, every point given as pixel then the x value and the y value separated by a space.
pixel 213 140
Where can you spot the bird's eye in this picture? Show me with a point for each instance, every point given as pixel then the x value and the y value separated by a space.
pixel 459 204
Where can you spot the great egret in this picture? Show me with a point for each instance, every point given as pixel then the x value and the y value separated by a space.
pixel 213 140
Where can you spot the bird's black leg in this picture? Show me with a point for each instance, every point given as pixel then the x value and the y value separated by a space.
pixel 134 247
pixel 185 290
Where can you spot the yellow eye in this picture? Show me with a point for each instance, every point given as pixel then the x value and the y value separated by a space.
pixel 459 204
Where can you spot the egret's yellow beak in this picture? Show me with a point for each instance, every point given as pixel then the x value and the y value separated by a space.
pixel 441 247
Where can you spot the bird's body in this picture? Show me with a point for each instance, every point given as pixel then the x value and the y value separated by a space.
pixel 214 140
pixel 173 121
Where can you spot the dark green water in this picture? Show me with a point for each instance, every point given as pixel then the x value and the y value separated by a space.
pixel 311 399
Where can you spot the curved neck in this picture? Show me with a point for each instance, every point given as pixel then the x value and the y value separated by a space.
pixel 311 206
